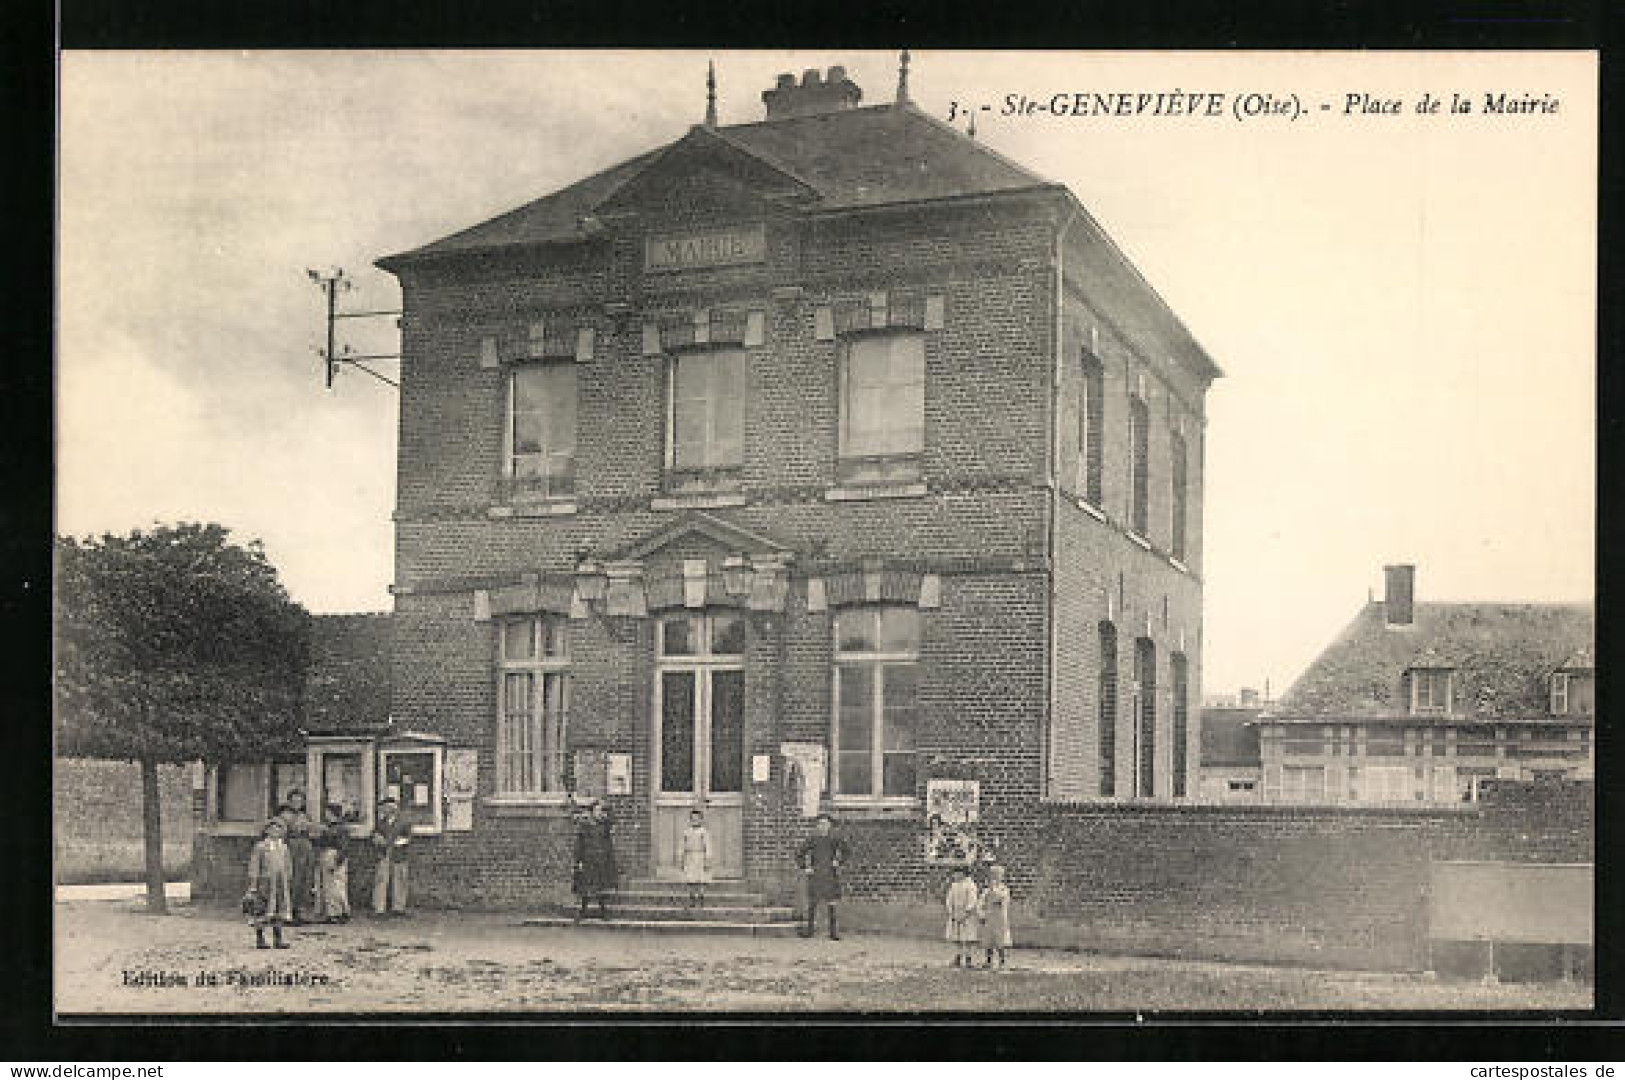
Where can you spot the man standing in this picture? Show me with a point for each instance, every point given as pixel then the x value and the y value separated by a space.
pixel 390 837
pixel 820 858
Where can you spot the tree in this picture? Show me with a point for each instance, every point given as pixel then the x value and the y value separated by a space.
pixel 171 646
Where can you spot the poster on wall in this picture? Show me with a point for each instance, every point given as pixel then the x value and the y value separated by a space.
pixel 952 808
pixel 804 770
pixel 461 777
pixel 618 780
pixel 592 768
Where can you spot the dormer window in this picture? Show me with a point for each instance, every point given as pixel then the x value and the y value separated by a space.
pixel 1572 693
pixel 1430 690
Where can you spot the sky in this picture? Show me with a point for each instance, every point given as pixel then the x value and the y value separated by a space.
pixel 1403 305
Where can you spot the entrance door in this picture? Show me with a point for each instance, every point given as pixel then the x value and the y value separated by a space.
pixel 699 738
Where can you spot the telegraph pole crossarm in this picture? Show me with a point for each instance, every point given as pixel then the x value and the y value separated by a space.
pixel 330 282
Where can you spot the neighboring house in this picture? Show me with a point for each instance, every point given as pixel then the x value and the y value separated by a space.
pixel 1231 768
pixel 1416 702
pixel 346 708
pixel 791 464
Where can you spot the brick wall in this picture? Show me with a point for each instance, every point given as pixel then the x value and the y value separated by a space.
pixel 97 817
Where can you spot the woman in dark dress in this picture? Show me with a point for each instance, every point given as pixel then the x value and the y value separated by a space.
pixel 595 873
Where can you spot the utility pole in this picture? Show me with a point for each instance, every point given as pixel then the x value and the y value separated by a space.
pixel 331 282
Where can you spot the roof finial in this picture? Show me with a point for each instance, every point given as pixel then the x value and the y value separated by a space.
pixel 972 131
pixel 711 94
pixel 902 77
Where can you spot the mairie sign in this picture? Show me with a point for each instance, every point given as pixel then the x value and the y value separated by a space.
pixel 733 246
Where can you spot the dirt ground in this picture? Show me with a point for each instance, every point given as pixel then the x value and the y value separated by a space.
pixel 111 957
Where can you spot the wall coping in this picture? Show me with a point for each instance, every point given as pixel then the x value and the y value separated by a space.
pixel 1295 810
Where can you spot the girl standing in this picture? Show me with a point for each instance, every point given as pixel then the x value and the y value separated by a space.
pixel 995 910
pixel 694 855
pixel 270 885
pixel 962 908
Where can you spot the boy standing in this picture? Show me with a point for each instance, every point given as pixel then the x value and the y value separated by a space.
pixel 390 835
pixel 820 858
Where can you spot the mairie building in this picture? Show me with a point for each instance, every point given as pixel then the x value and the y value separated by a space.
pixel 826 462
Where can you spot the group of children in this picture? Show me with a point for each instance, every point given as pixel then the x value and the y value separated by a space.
pixel 979 916
pixel 298 872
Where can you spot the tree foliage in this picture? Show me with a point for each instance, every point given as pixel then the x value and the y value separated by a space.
pixel 174 645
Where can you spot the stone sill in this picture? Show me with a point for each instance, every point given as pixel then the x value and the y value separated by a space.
pixel 1138 539
pixel 1091 509
pixel 892 810
pixel 555 508
pixel 1177 565
pixel 886 491
pixel 703 500
pixel 547 806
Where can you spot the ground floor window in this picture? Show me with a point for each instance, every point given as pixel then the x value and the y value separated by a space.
pixel 1303 783
pixel 1387 783
pixel 252 791
pixel 877 702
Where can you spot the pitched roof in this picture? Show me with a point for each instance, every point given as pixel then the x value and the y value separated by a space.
pixel 848 158
pixel 1501 654
pixel 348 683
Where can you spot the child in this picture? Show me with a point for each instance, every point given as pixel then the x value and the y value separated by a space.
pixel 995 911
pixel 962 917
pixel 269 901
pixel 694 854
pixel 333 867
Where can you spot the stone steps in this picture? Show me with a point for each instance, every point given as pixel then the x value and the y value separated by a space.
pixel 655 906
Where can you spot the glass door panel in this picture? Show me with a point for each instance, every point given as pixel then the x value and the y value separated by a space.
pixel 677 731
pixel 727 744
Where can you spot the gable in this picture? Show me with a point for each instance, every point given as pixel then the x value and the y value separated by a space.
pixel 697 534
pixel 702 177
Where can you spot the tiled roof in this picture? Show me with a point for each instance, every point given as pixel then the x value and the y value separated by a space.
pixel 848 158
pixel 1501 654
pixel 1229 736
pixel 348 682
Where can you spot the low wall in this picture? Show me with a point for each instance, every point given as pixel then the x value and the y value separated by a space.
pixel 97 820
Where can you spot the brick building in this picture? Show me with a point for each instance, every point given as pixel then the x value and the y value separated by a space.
pixel 794 464
pixel 1422 701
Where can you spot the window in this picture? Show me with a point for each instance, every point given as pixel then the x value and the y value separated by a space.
pixel 339 784
pixel 707 418
pixel 1468 778
pixel 252 792
pixel 882 406
pixel 1108 709
pixel 1177 472
pixel 534 665
pixel 1303 783
pixel 1430 690
pixel 1145 689
pixel 1240 786
pixel 877 652
pixel 1139 431
pixel 542 430
pixel 1572 693
pixel 1181 722
pixel 1091 427
pixel 1387 783
pixel 412 778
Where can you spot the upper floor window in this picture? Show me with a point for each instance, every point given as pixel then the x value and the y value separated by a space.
pixel 877 652
pixel 1091 428
pixel 882 406
pixel 1560 693
pixel 707 418
pixel 534 665
pixel 1573 693
pixel 1178 479
pixel 1430 690
pixel 541 432
pixel 1139 434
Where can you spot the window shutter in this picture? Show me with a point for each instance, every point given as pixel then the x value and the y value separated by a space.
pixel 702 326
pixel 934 312
pixel 651 339
pixel 584 343
pixel 489 358
pixel 877 310
pixel 755 329
pixel 823 323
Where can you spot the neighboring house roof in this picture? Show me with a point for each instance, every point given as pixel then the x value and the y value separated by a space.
pixel 843 159
pixel 348 684
pixel 1502 655
pixel 1230 737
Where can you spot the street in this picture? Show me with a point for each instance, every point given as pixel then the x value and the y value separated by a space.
pixel 111 957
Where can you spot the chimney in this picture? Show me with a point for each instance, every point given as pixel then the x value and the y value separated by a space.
pixel 1399 594
pixel 817 93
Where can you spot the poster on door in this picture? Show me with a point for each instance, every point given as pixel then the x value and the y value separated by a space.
pixel 462 784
